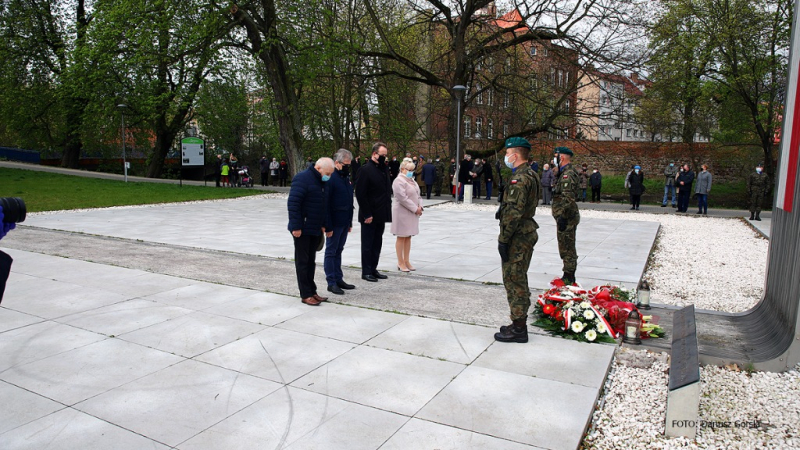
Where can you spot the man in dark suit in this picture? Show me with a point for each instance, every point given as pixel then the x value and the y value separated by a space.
pixel 339 221
pixel 464 176
pixel 307 206
pixel 373 193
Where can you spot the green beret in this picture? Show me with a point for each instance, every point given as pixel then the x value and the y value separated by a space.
pixel 517 142
pixel 563 151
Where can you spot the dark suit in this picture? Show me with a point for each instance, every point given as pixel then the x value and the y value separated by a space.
pixel 373 193
pixel 307 206
pixel 340 220
pixel 429 177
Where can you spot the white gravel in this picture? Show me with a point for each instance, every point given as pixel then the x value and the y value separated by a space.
pixel 714 263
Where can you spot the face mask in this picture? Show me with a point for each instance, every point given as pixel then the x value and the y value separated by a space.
pixel 636 170
pixel 594 171
pixel 556 160
pixel 758 170
pixel 671 164
pixel 345 170
pixel 681 170
pixel 509 164
pixel 326 177
pixel 381 159
pixel 437 159
pixel 410 174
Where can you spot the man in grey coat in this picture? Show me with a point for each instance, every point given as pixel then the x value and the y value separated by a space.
pixel 669 184
pixel 547 185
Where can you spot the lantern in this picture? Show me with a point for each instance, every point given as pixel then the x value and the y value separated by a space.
pixel 633 328
pixel 644 295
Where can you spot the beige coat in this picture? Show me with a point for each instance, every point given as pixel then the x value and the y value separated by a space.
pixel 405 221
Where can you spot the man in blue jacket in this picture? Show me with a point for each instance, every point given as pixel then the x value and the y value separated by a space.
pixel 339 220
pixel 429 177
pixel 307 215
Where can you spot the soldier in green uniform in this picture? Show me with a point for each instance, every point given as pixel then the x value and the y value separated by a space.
pixel 758 188
pixel 517 236
pixel 440 176
pixel 565 211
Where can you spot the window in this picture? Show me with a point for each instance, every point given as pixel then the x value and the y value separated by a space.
pixel 479 95
pixel 490 129
pixel 478 127
pixel 490 97
pixel 490 64
pixel 505 129
pixel 566 106
pixel 467 127
pixel 553 75
pixel 508 65
pixel 560 78
pixel 533 50
pixel 545 51
pixel 566 78
pixel 506 99
pixel 628 132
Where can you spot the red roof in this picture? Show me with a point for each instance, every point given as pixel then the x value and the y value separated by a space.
pixel 511 19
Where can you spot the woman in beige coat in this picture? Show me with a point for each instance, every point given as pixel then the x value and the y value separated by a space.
pixel 406 211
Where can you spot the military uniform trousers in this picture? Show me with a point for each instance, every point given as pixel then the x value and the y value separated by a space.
pixel 566 244
pixel 515 270
pixel 756 201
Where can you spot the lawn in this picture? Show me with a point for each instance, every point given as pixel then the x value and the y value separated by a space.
pixel 44 191
pixel 723 195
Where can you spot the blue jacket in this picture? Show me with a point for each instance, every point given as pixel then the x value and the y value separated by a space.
pixel 307 203
pixel 429 173
pixel 340 201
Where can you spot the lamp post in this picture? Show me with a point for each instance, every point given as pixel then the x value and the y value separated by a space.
pixel 458 91
pixel 121 107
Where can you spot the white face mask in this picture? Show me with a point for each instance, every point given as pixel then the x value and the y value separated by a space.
pixel 594 171
pixel 758 169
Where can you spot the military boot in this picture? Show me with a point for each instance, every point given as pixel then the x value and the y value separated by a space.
pixel 758 216
pixel 568 278
pixel 752 216
pixel 516 332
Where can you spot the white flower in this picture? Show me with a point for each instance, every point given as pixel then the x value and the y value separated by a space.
pixel 601 328
pixel 578 326
pixel 588 314
pixel 591 335
pixel 585 305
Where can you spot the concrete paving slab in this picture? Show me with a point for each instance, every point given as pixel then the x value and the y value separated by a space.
pixel 40 340
pixel 263 308
pixel 294 418
pixel 384 379
pixel 200 296
pixel 546 413
pixel 424 434
pixel 78 374
pixel 56 298
pixel 21 406
pixel 436 339
pixel 344 323
pixel 10 319
pixel 277 355
pixel 176 403
pixel 123 317
pixel 578 363
pixel 192 334
pixel 69 429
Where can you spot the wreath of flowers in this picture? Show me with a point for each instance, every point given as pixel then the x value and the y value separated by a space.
pixel 595 315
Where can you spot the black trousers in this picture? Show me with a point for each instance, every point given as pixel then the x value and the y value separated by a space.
pixel 264 176
pixel 595 193
pixel 635 200
pixel 305 255
pixel 428 190
pixel 5 270
pixel 683 200
pixel 371 243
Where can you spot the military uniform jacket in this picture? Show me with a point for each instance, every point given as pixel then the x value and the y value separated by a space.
pixel 565 193
pixel 758 183
pixel 519 202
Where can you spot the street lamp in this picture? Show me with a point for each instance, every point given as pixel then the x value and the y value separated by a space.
pixel 121 107
pixel 458 91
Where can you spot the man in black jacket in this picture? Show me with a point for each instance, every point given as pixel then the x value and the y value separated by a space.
pixel 373 193
pixel 307 206
pixel 464 176
pixel 487 176
pixel 684 186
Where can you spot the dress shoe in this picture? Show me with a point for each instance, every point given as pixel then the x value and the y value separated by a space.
pixel 311 301
pixel 402 269
pixel 664 205
pixel 369 278
pixel 344 285
pixel 410 267
pixel 379 275
pixel 335 289
pixel 320 299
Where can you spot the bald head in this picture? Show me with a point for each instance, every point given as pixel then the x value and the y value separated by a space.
pixel 324 166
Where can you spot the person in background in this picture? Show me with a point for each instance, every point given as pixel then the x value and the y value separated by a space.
pixel 263 168
pixel 453 178
pixel 534 166
pixel 218 169
pixel 339 192
pixel 428 176
pixel 464 176
pixel 394 168
pixel 440 176
pixel 225 171
pixel 234 169
pixel 635 184
pixel 477 175
pixel 284 171
pixel 487 177
pixel 356 165
pixel 702 188
pixel 274 171
pixel 757 189
pixel 670 172
pixel 419 163
pixel 548 179
pixel 406 211
pixel 584 177
pixel 307 205
pixel 596 182
pixel 684 183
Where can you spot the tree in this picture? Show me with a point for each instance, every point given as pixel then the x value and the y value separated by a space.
pixel 43 49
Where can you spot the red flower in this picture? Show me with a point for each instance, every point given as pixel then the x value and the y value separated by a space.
pixel 559 316
pixel 548 309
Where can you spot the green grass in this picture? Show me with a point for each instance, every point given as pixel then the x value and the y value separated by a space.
pixel 44 191
pixel 723 195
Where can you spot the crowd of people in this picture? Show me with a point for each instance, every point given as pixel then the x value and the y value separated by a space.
pixel 321 209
